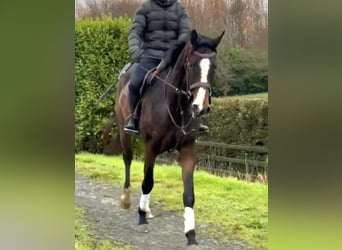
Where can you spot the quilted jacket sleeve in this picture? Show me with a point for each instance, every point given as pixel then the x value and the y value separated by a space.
pixel 184 25
pixel 136 33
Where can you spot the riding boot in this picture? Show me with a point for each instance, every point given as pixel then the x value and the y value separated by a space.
pixel 203 129
pixel 131 126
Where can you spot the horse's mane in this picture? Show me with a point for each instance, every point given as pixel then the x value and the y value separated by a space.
pixel 173 53
pixel 176 49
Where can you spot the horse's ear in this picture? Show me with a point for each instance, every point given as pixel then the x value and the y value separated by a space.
pixel 218 39
pixel 194 37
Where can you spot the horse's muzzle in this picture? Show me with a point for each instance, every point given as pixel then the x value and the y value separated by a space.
pixel 197 112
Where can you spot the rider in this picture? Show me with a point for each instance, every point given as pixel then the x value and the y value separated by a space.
pixel 157 26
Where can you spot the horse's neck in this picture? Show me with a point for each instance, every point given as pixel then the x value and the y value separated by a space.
pixel 177 76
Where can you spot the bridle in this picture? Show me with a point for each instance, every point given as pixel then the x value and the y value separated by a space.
pixel 189 87
pixel 195 85
pixel 187 92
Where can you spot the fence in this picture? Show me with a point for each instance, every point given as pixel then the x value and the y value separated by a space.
pixel 244 162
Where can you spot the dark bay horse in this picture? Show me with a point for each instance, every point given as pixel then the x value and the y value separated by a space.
pixel 170 112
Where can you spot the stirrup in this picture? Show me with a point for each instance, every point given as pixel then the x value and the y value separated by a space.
pixel 133 127
pixel 131 131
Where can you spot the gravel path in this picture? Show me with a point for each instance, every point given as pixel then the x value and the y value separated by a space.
pixel 101 204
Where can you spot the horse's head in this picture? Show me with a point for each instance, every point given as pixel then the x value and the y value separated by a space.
pixel 200 70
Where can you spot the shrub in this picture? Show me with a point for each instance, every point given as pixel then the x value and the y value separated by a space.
pixel 100 53
pixel 236 120
pixel 248 70
pixel 240 71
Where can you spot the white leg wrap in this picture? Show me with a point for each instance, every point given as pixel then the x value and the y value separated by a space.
pixel 189 219
pixel 145 202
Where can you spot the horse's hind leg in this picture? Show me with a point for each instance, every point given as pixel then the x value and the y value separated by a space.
pixel 147 185
pixel 188 161
pixel 126 143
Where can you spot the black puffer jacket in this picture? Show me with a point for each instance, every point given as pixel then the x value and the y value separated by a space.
pixel 156 27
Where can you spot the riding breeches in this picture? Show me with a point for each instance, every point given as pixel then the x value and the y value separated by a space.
pixel 139 73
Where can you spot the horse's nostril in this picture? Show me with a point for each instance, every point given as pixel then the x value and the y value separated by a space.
pixel 195 108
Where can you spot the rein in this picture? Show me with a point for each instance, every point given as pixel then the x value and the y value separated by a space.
pixel 183 126
pixel 177 90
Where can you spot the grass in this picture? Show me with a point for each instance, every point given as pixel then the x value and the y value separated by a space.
pixel 86 240
pixel 251 96
pixel 227 208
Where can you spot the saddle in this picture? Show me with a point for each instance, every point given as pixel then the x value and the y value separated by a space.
pixel 144 86
pixel 147 82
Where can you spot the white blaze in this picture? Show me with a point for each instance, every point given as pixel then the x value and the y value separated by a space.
pixel 189 219
pixel 204 65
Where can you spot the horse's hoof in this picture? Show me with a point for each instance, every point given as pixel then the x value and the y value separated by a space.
pixel 143 228
pixel 125 206
pixel 192 247
pixel 149 215
pixel 125 199
pixel 125 202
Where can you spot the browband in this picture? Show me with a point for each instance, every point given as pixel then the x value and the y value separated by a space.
pixel 204 55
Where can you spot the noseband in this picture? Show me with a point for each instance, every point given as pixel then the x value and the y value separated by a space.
pixel 195 85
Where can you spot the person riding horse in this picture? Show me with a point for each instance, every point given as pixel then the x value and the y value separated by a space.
pixel 158 26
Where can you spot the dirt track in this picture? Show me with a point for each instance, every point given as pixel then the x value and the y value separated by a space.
pixel 101 204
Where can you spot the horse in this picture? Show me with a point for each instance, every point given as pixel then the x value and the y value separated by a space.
pixel 171 108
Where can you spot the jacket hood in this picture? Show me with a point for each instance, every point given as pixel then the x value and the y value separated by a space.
pixel 164 3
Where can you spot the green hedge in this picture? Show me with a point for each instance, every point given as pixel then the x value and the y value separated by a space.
pixel 250 73
pixel 100 54
pixel 240 71
pixel 238 120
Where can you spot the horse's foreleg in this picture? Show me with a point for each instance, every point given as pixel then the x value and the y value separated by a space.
pixel 126 141
pixel 188 161
pixel 146 187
